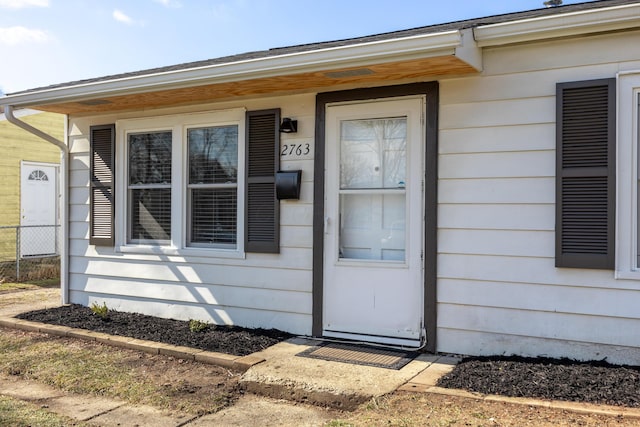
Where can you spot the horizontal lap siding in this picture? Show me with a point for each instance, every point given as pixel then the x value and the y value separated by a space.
pixel 548 325
pixel 498 289
pixel 247 317
pixel 537 297
pixel 194 293
pixel 267 290
pixel 259 275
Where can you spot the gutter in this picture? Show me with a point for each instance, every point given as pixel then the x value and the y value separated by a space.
pixel 64 166
pixel 562 25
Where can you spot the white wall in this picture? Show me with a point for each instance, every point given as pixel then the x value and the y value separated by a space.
pixel 498 289
pixel 266 290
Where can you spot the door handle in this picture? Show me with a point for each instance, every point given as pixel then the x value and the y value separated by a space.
pixel 326 225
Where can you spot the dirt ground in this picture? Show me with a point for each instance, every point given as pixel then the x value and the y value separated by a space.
pixel 195 388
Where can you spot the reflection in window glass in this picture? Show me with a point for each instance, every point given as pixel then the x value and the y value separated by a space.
pixel 150 158
pixel 213 185
pixel 213 155
pixel 372 153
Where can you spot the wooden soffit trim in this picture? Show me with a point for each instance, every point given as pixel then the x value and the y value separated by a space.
pixel 378 74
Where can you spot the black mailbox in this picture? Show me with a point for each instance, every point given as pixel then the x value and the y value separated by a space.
pixel 288 184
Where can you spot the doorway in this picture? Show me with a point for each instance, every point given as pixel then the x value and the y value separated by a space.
pixel 374 222
pixel 340 207
pixel 38 209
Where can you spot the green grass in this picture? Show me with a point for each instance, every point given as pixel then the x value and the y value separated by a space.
pixel 17 413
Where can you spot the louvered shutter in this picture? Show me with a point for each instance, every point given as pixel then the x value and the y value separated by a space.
pixel 585 174
pixel 101 170
pixel 262 214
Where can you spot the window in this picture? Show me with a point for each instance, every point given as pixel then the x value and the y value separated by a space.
pixel 628 179
pixel 38 175
pixel 213 185
pixel 149 186
pixel 189 184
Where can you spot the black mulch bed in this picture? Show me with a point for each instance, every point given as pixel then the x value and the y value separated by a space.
pixel 224 339
pixel 592 382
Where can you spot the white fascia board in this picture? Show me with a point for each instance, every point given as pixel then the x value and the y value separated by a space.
pixel 408 48
pixel 561 25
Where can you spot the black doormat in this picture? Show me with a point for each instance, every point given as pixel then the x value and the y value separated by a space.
pixel 360 355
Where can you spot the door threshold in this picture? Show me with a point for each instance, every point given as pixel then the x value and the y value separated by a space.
pixel 372 340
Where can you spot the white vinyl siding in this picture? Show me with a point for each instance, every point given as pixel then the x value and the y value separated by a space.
pixel 498 289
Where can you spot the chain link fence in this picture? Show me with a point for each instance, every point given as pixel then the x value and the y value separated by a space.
pixel 29 252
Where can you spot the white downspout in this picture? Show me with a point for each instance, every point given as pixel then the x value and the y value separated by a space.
pixel 64 166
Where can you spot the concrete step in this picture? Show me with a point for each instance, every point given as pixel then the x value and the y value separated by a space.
pixel 283 375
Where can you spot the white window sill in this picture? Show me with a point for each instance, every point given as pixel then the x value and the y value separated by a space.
pixel 183 252
pixel 627 274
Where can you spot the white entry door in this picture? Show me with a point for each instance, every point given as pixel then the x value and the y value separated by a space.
pixel 39 209
pixel 373 278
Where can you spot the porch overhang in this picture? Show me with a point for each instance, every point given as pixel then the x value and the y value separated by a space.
pixel 391 61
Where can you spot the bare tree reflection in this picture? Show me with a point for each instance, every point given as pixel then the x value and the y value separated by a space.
pixel 372 153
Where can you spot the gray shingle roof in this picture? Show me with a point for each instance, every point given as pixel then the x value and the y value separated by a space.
pixel 431 29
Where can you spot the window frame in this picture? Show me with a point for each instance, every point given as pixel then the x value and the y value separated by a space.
pixel 178 124
pixel 627 147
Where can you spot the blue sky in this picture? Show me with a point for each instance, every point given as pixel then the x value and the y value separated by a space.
pixel 45 42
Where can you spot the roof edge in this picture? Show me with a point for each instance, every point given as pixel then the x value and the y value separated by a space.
pixel 562 25
pixel 407 48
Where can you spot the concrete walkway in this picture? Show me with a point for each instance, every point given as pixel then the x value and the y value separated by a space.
pixel 276 374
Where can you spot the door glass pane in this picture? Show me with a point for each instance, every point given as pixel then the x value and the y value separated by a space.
pixel 372 153
pixel 372 196
pixel 372 226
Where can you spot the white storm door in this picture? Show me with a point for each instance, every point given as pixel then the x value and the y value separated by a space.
pixel 38 209
pixel 373 278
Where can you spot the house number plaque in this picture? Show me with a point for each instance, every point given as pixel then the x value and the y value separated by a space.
pixel 296 150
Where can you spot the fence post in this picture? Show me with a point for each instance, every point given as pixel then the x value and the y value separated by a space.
pixel 17 253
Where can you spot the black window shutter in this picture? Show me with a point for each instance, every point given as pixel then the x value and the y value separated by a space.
pixel 262 225
pixel 585 174
pixel 101 170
